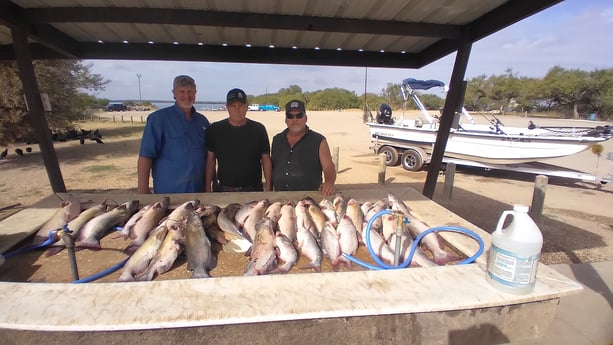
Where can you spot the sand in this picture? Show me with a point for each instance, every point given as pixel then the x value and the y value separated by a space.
pixel 577 223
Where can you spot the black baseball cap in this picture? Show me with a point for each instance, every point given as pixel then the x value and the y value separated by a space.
pixel 294 105
pixel 236 95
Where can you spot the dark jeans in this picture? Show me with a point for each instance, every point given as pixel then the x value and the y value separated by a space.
pixel 256 188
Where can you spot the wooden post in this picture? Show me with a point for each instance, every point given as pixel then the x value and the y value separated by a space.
pixel 121 118
pixel 131 119
pixel 141 119
pixel 382 167
pixel 449 178
pixel 538 197
pixel 335 158
pixel 113 118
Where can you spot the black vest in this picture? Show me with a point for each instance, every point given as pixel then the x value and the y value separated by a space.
pixel 296 168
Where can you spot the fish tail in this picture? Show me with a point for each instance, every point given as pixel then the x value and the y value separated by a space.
pixel 200 274
pixel 443 257
pixel 314 265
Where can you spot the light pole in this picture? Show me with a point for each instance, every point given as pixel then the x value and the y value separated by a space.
pixel 140 98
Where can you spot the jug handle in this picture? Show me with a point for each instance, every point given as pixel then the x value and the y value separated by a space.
pixel 502 219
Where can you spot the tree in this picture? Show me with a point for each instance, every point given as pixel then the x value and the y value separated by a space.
pixel 567 88
pixel 64 81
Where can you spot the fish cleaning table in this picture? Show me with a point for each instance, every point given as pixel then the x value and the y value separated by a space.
pixel 439 305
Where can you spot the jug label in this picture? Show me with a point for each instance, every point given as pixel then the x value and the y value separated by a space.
pixel 511 269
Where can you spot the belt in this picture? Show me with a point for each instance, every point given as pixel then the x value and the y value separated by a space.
pixel 222 188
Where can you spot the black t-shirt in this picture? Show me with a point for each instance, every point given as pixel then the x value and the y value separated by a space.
pixel 238 150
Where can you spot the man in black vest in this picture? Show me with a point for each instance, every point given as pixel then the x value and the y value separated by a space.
pixel 300 155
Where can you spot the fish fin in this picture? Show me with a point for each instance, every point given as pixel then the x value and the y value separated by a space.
pixel 131 248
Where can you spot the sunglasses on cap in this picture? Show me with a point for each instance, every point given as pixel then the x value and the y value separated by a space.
pixel 295 116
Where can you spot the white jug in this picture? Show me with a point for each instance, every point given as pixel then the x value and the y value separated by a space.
pixel 515 253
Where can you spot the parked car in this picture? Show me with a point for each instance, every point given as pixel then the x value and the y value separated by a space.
pixel 272 107
pixel 116 107
pixel 254 107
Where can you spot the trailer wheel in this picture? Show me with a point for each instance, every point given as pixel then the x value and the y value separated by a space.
pixel 391 155
pixel 412 160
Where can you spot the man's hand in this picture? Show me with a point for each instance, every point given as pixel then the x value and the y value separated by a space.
pixel 327 188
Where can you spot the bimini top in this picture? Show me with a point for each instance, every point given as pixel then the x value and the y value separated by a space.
pixel 422 84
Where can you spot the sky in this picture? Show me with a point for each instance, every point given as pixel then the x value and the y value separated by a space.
pixel 574 34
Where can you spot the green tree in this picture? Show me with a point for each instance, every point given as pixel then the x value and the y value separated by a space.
pixel 64 81
pixel 567 88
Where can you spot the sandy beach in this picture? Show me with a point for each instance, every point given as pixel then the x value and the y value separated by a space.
pixel 577 223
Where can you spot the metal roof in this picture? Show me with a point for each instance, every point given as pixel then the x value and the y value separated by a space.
pixel 381 33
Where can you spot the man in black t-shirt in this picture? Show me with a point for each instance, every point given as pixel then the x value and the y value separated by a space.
pixel 241 149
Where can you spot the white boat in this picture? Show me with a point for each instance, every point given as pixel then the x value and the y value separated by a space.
pixel 412 141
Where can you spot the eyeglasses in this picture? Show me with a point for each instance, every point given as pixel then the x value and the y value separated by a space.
pixel 295 116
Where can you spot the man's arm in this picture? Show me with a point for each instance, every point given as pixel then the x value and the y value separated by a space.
pixel 267 168
pixel 143 171
pixel 329 170
pixel 209 172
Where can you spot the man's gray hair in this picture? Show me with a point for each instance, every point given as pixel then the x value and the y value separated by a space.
pixel 183 80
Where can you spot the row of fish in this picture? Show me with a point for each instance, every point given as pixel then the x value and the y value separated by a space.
pixel 276 233
pixel 281 231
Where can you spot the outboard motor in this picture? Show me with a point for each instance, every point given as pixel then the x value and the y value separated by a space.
pixel 384 114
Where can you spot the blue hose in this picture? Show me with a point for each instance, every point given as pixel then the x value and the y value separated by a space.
pixel 414 245
pixel 31 247
pixel 101 274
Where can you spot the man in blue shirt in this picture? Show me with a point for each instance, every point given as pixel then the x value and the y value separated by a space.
pixel 173 146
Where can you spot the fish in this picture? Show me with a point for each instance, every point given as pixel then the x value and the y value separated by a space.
pixel 366 206
pixel 287 254
pixel 181 213
pixel 303 219
pixel 432 241
pixel 328 210
pixel 138 262
pixel 256 213
pixel 397 204
pixel 287 222
pixel 148 221
pixel 318 217
pixel 308 246
pixel 379 246
pixel 225 219
pixel 97 227
pixel 208 215
pixel 76 224
pixel 243 213
pixel 200 258
pixel 419 258
pixel 389 225
pixel 263 256
pixel 340 205
pixel 125 230
pixel 347 236
pixel 377 207
pixel 354 212
pixel 331 247
pixel 169 250
pixel 68 209
pixel 274 211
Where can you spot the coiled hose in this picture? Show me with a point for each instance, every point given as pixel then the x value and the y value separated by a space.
pixel 414 245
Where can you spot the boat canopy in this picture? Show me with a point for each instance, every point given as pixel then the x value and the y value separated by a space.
pixel 422 84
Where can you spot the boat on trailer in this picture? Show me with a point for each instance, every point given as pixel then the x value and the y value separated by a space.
pixel 411 141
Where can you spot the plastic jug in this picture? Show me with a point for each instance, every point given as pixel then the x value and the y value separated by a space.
pixel 515 253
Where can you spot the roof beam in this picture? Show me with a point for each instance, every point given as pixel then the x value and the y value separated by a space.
pixel 239 20
pixel 172 52
pixel 14 16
